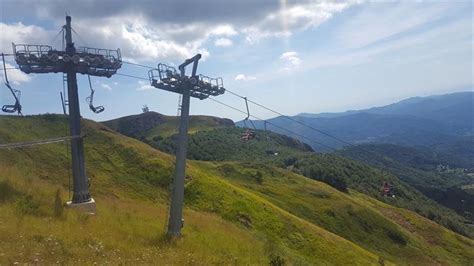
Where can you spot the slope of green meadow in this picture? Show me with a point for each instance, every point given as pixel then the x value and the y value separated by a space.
pixel 236 212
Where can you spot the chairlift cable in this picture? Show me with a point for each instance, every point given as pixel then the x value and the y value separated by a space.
pixel 312 128
pixel 131 76
pixel 269 123
pixel 140 65
pixel 37 142
pixel 273 124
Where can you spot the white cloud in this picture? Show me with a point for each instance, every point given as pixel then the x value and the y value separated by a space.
pixel 15 76
pixel 287 20
pixel 243 77
pixel 21 34
pixel 290 61
pixel 144 86
pixel 223 42
pixel 134 36
pixel 106 86
pixel 376 22
pixel 223 30
pixel 173 35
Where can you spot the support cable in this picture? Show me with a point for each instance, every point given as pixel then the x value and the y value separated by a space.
pixel 140 65
pixel 273 111
pixel 37 142
pixel 273 124
pixel 131 76
pixel 79 36
pixel 292 119
pixel 262 106
pixel 250 115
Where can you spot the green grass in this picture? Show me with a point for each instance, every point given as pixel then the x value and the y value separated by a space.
pixel 340 172
pixel 231 215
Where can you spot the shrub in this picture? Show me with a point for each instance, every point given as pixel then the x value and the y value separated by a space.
pixel 7 192
pixel 397 237
pixel 276 260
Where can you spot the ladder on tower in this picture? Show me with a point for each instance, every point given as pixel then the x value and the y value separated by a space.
pixel 64 98
pixel 179 104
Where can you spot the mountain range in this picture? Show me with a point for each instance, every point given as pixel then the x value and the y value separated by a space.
pixel 418 121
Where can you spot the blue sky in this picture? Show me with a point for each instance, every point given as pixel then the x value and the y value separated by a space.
pixel 294 56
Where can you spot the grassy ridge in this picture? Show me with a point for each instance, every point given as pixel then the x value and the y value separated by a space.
pixel 152 125
pixel 233 215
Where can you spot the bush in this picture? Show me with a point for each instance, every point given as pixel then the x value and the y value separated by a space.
pixel 259 177
pixel 7 192
pixel 276 260
pixel 397 237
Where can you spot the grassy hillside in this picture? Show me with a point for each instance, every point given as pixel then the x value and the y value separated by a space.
pixel 339 172
pixel 236 213
pixel 154 126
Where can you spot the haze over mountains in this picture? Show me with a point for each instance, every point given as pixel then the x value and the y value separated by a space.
pixel 424 121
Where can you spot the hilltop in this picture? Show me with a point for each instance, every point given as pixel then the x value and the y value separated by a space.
pixel 149 125
pixel 236 212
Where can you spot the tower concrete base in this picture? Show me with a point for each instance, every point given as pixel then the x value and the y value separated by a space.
pixel 84 207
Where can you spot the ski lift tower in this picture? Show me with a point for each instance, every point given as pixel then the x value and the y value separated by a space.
pixel 83 60
pixel 198 86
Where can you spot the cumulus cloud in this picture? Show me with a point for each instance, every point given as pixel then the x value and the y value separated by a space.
pixel 15 76
pixel 20 34
pixel 290 60
pixel 144 86
pixel 243 77
pixel 223 42
pixel 167 30
pixel 291 18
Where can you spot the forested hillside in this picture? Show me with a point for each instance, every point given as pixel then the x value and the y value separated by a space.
pixel 432 171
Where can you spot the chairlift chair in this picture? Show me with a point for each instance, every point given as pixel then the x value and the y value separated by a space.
pixel 90 100
pixel 16 107
pixel 249 133
pixel 387 190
